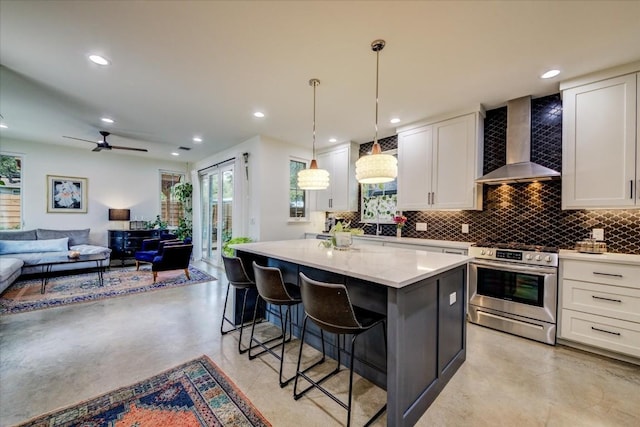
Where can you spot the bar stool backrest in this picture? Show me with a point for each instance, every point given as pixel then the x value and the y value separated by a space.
pixel 329 306
pixel 236 274
pixel 270 284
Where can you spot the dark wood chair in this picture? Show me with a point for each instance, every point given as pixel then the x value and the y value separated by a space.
pixel 173 257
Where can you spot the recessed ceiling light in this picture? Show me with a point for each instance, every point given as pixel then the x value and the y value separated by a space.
pixel 333 140
pixel 100 60
pixel 107 120
pixel 549 74
pixel 175 154
pixel 197 139
pixel 258 114
pixel 3 126
pixel 395 120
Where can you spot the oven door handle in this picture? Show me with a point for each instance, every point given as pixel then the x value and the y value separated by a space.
pixel 518 269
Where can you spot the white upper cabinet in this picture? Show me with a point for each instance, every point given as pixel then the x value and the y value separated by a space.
pixel 600 159
pixel 438 164
pixel 342 193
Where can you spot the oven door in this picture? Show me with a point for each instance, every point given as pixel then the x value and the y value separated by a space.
pixel 528 291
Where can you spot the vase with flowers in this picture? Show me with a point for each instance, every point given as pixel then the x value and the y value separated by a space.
pixel 400 220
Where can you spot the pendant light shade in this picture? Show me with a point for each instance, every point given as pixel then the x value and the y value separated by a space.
pixel 313 178
pixel 376 168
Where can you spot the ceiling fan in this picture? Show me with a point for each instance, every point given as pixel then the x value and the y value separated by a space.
pixel 104 145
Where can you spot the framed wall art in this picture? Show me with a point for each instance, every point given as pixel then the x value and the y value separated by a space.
pixel 66 194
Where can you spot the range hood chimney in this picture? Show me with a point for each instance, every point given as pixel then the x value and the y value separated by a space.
pixel 519 167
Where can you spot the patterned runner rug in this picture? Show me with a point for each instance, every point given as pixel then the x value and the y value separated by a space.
pixel 196 394
pixel 24 294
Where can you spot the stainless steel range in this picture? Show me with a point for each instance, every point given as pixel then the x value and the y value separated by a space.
pixel 514 288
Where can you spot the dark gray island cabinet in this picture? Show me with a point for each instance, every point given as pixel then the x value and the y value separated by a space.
pixel 422 294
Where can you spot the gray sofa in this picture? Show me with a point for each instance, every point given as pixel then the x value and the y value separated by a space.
pixel 19 250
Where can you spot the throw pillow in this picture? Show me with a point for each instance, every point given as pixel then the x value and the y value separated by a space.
pixel 18 235
pixel 31 246
pixel 76 237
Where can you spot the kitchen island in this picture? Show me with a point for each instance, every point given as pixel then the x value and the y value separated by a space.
pixel 422 294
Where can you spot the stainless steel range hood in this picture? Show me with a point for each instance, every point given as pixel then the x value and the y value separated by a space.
pixel 519 167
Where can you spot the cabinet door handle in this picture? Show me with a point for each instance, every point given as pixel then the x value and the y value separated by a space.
pixel 606 332
pixel 607 274
pixel 631 189
pixel 606 299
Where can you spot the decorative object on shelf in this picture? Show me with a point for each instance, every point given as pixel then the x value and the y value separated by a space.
pixel 313 178
pixel 400 220
pixel 376 168
pixel 66 194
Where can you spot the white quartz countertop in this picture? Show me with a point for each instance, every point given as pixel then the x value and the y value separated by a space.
pixel 409 241
pixel 394 267
pixel 605 257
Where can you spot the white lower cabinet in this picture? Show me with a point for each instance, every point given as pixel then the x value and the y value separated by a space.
pixel 600 305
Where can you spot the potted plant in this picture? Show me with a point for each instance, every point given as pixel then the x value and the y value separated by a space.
pixel 229 251
pixel 183 193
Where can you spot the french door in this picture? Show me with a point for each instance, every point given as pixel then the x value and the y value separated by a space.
pixel 216 186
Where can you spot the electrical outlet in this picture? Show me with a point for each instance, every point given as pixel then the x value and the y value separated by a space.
pixel 421 226
pixel 465 228
pixel 598 233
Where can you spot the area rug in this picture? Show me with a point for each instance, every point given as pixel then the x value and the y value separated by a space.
pixel 24 295
pixel 196 394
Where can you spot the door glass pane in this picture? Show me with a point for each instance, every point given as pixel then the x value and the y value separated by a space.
pixel 217 212
pixel 206 222
pixel 213 214
pixel 226 224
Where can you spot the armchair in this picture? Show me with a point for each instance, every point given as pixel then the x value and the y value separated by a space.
pixel 172 257
pixel 151 248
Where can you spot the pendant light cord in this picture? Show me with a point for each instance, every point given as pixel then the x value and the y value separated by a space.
pixel 314 119
pixel 375 139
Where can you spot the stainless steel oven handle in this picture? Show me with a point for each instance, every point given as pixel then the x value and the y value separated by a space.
pixel 516 269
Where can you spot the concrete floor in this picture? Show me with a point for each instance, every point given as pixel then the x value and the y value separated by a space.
pixel 56 357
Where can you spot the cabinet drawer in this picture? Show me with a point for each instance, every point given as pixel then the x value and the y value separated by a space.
pixel 602 272
pixel 612 301
pixel 611 334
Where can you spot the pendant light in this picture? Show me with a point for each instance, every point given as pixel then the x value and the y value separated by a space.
pixel 313 178
pixel 376 168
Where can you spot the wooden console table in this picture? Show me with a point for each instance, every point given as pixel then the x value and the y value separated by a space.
pixel 124 243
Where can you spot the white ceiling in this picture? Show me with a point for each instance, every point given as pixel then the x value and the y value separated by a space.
pixel 185 68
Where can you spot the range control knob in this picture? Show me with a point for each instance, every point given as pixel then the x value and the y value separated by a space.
pixel 490 253
pixel 529 257
pixel 538 257
pixel 547 258
pixel 482 252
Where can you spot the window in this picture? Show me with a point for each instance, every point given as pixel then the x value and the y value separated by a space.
pixel 171 210
pixel 380 201
pixel 297 196
pixel 10 192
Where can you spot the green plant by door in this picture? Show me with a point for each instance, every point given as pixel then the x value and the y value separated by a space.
pixel 183 193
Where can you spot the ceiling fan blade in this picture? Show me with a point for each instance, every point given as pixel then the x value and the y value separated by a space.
pixel 129 148
pixel 98 148
pixel 80 139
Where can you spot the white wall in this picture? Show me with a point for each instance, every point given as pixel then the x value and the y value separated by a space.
pixel 263 199
pixel 114 181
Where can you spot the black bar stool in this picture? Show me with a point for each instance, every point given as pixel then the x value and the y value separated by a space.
pixel 273 290
pixel 238 278
pixel 328 306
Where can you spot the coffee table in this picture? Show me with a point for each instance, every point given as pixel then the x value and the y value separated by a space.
pixel 48 263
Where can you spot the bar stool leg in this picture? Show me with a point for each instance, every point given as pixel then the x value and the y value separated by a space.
pixel 224 311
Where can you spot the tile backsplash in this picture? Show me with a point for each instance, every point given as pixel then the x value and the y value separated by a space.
pixel 528 212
